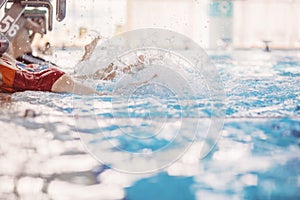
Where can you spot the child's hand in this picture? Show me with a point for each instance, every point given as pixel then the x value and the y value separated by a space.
pixel 89 48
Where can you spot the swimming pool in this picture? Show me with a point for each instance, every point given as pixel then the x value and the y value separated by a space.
pixel 256 156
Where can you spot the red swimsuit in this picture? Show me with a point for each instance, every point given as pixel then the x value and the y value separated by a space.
pixel 17 80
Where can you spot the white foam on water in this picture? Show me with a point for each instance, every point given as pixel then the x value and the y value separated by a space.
pixel 6 184
pixel 29 186
pixel 61 190
pixel 112 177
pixel 68 163
pixel 249 179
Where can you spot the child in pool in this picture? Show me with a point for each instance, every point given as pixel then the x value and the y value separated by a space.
pixel 16 77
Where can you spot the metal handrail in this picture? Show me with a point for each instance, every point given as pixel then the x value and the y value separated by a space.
pixel 2 2
pixel 44 3
pixel 60 10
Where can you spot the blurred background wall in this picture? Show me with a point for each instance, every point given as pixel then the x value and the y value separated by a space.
pixel 211 23
pixel 277 21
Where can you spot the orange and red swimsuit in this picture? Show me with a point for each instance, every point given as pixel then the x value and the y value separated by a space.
pixel 19 79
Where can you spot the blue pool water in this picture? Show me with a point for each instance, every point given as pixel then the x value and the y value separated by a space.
pixel 258 159
pixel 256 155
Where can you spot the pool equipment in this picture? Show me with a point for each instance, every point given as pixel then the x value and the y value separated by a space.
pixel 15 17
pixel 267 46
